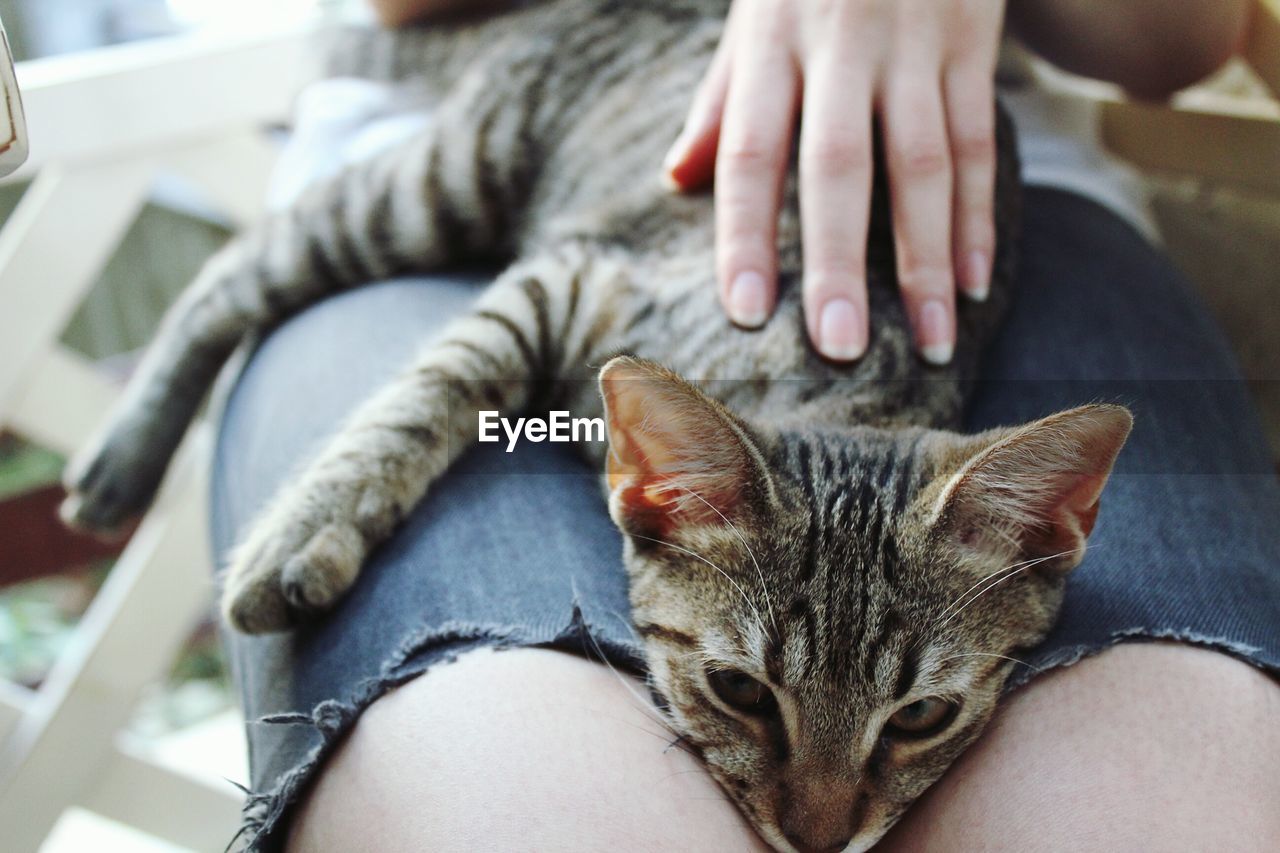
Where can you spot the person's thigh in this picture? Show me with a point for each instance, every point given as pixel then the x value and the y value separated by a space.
pixel 517 750
pixel 1144 747
pixel 1141 748
pixel 1136 747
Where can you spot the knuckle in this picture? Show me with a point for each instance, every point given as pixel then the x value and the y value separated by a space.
pixel 922 156
pixel 837 156
pixel 744 240
pixel 974 217
pixel 974 212
pixel 748 156
pixel 835 274
pixel 973 76
pixel 974 145
pixel 925 277
pixel 744 231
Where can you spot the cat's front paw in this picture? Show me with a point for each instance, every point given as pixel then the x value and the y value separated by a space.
pixel 111 482
pixel 293 565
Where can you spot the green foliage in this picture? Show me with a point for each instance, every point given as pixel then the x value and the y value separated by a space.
pixel 34 629
pixel 24 466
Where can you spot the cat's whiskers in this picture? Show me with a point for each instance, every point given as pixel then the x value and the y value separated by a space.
pixel 1028 564
pixel 764 588
pixel 641 703
pixel 665 738
pixel 698 769
pixel 697 556
pixel 959 598
pixel 1019 566
pixel 960 603
pixel 947 611
pixel 706 658
pixel 678 743
pixel 991 655
pixel 720 799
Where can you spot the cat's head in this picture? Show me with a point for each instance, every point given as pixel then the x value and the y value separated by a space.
pixel 830 617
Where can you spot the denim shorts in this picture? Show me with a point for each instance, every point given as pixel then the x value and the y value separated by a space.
pixel 516 548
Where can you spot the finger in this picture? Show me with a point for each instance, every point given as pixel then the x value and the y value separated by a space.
pixel 751 162
pixel 970 109
pixel 835 191
pixel 690 163
pixel 920 181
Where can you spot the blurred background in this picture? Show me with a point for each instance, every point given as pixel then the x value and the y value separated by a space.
pixel 184 717
pixel 154 125
pixel 40 28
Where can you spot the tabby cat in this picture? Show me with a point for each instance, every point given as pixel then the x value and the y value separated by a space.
pixel 829 582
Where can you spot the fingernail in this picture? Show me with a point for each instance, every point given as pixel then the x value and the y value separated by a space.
pixel 841 334
pixel 747 300
pixel 978 277
pixel 937 342
pixel 671 163
pixel 675 154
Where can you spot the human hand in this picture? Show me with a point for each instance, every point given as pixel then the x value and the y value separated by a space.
pixel 927 68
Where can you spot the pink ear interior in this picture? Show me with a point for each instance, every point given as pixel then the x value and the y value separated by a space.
pixel 674 455
pixel 1040 486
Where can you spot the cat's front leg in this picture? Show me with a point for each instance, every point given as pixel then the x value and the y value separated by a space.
pixel 412 207
pixel 307 548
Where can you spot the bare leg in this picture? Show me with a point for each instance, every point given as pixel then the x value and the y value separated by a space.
pixel 517 750
pixel 1155 747
pixel 1145 747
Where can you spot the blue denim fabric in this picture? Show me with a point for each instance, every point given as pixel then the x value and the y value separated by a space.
pixel 517 548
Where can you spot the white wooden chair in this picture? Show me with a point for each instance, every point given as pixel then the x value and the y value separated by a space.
pixel 102 126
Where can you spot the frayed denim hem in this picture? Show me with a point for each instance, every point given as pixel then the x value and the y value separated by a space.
pixel 264 827
pixel 1065 656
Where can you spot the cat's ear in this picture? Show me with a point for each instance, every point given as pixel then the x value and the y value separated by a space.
pixel 676 456
pixel 1036 488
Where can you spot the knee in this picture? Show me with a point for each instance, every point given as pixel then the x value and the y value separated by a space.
pixel 1146 746
pixel 523 749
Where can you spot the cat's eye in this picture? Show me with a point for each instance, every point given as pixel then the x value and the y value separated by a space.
pixel 922 718
pixel 742 692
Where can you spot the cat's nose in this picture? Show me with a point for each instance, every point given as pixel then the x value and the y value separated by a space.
pixel 821 814
pixel 803 845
